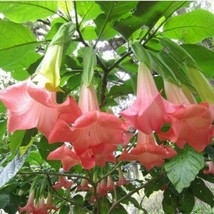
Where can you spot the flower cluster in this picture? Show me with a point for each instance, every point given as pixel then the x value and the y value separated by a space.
pixel 40 206
pixel 90 137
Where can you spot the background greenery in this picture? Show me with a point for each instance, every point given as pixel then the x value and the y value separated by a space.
pixel 165 34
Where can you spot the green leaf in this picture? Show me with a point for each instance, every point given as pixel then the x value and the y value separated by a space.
pixel 116 9
pixel 201 84
pixel 11 169
pixel 88 10
pixel 89 63
pixel 16 52
pixel 89 33
pixel 24 35
pixel 183 168
pixel 146 14
pixel 104 27
pixel 105 204
pixel 64 6
pixel 177 52
pixel 169 202
pixel 186 201
pixel 141 54
pixel 25 11
pixel 34 158
pixel 16 140
pixel 64 210
pixel 174 68
pixel 155 185
pixel 119 209
pixel 4 200
pixel 3 124
pixel 202 192
pixel 45 148
pixel 13 205
pixel 120 90
pixel 203 57
pixel 78 210
pixel 190 27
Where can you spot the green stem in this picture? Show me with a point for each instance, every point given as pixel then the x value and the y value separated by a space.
pixel 82 39
pixel 53 173
pixel 107 174
pixel 103 26
pixel 64 198
pixel 132 192
pixel 156 30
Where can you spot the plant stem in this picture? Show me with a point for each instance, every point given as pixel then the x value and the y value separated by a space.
pixel 53 173
pixel 132 192
pixel 107 174
pixel 64 198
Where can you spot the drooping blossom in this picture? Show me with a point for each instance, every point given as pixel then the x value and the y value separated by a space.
pixel 94 135
pixel 31 106
pixel 210 169
pixel 191 124
pixel 48 71
pixel 49 203
pixel 148 152
pixel 29 207
pixel 63 182
pixel 38 207
pixel 101 188
pixel 68 157
pixel 110 183
pixel 122 180
pixel 148 113
pixel 84 185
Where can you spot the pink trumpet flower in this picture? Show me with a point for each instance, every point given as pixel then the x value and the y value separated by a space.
pixel 29 207
pixel 94 135
pixel 148 111
pixel 63 182
pixel 191 124
pixel 148 152
pixel 30 106
pixel 122 180
pixel 66 156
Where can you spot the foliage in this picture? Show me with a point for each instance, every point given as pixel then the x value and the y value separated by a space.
pixel 109 39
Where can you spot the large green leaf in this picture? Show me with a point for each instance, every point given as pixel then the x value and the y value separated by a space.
pixel 13 34
pixel 169 202
pixel 88 10
pixel 190 27
pixel 104 27
pixel 146 14
pixel 24 11
pixel 202 192
pixel 186 201
pixel 184 167
pixel 16 140
pixel 11 169
pixel 113 11
pixel 64 6
pixel 174 67
pixel 117 9
pixel 204 58
pixel 17 49
pixel 45 149
pixel 201 84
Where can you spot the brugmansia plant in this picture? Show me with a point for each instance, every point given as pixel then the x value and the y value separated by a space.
pixel 106 99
